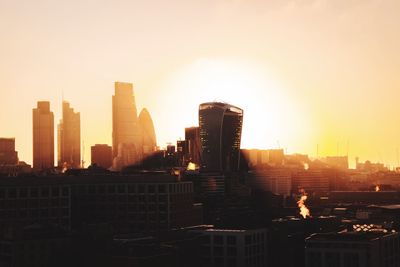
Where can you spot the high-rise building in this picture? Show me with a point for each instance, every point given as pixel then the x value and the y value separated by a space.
pixel 192 137
pixel 101 155
pixel 220 134
pixel 43 136
pixel 69 138
pixel 126 135
pixel 147 132
pixel 8 155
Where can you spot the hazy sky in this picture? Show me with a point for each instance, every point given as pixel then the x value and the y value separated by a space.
pixel 305 72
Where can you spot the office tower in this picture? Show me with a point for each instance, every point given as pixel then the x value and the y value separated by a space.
pixel 8 155
pixel 101 155
pixel 220 134
pixel 69 138
pixel 127 140
pixel 192 136
pixel 147 132
pixel 43 136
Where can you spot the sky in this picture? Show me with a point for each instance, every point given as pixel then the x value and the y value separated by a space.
pixel 307 73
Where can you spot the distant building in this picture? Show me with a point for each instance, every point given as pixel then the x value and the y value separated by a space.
pixel 340 162
pixel 192 137
pixel 69 138
pixel 126 135
pixel 147 132
pixel 182 150
pixel 234 248
pixel 220 136
pixel 8 155
pixel 312 181
pixel 258 158
pixel 358 249
pixel 43 136
pixel 101 154
pixel 275 180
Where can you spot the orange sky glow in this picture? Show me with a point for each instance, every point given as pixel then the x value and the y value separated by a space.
pixel 305 72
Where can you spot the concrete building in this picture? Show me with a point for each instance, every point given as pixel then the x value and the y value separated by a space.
pixel 69 138
pixel 101 154
pixel 314 181
pixel 234 248
pixel 220 136
pixel 359 249
pixel 126 134
pixel 33 200
pixel 8 155
pixel 43 136
pixel 275 180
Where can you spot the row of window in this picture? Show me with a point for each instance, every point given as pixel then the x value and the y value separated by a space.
pixel 34 192
pixel 134 188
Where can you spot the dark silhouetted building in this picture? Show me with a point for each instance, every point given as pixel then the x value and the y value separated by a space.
pixel 43 136
pixel 241 248
pixel 126 134
pixel 363 248
pixel 8 155
pixel 220 135
pixel 69 138
pixel 192 137
pixel 147 132
pixel 101 154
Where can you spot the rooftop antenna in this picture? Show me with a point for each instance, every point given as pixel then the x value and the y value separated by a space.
pixel 348 146
pixel 317 150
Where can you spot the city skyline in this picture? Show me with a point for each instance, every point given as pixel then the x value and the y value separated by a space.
pixel 318 76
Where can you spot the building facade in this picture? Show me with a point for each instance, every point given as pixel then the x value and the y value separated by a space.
pixel 69 138
pixel 234 248
pixel 220 135
pixel 357 249
pixel 101 154
pixel 8 155
pixel 43 136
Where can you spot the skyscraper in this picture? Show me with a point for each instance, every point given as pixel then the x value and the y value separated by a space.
pixel 101 155
pixel 220 134
pixel 127 140
pixel 8 155
pixel 43 136
pixel 69 138
pixel 147 131
pixel 192 137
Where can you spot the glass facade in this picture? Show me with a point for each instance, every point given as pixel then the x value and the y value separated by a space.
pixel 220 134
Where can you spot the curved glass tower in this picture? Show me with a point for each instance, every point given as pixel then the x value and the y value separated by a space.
pixel 220 134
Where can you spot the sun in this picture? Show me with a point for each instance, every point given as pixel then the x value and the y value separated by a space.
pixel 270 115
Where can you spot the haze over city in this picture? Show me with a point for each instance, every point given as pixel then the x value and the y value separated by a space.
pixel 306 73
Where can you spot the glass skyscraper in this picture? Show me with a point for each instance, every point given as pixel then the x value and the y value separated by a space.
pixel 220 134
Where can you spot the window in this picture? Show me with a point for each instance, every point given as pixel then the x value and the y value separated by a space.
pixel 12 193
pixel 44 192
pixel 231 240
pixel 161 189
pixel 111 189
pixel 23 193
pixel 218 239
pixel 55 191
